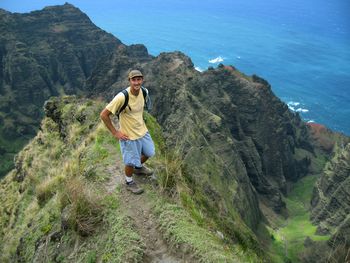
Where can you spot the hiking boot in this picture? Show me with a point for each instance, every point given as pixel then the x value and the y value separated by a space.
pixel 143 171
pixel 134 188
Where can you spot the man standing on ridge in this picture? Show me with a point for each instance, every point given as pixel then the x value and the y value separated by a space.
pixel 136 143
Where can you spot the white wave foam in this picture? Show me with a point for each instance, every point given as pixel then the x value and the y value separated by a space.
pixel 302 110
pixel 198 69
pixel 293 103
pixel 216 60
pixel 310 121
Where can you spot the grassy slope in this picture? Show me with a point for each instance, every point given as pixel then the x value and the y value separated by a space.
pixel 60 211
pixel 181 220
pixel 289 239
pixel 59 175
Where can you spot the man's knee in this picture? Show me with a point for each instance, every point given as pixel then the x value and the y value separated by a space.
pixel 152 153
pixel 149 149
pixel 149 153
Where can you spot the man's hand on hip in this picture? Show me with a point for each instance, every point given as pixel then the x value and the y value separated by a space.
pixel 121 136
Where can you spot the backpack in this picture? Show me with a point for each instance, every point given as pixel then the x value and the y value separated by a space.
pixel 146 97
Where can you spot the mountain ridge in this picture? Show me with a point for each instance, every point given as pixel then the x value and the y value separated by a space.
pixel 239 148
pixel 44 53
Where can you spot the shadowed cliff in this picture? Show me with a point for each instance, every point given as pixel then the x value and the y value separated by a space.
pixel 43 53
pixel 239 151
pixel 232 129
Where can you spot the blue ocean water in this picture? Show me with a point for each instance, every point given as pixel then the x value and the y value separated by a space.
pixel 301 47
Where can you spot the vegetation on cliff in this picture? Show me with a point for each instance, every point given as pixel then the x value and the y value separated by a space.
pixel 235 171
pixel 330 205
pixel 59 204
pixel 43 53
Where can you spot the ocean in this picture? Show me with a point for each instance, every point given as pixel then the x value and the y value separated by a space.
pixel 302 48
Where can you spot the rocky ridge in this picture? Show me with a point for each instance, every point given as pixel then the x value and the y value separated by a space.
pixel 64 201
pixel 240 147
pixel 228 120
pixel 331 196
pixel 43 53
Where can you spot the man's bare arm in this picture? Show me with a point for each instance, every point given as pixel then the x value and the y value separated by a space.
pixel 105 117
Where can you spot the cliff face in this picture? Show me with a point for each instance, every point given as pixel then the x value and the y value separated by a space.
pixel 47 54
pixel 240 144
pixel 240 147
pixel 65 200
pixel 331 196
pixel 331 205
pixel 43 53
pixel 330 201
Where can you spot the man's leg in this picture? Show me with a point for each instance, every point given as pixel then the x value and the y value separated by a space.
pixel 130 158
pixel 128 172
pixel 130 184
pixel 143 170
pixel 144 158
pixel 148 150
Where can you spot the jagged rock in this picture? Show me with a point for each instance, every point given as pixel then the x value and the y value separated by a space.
pixel 50 108
pixel 322 230
pixel 20 174
pixel 239 143
pixel 341 236
pixel 336 249
pixel 232 129
pixel 330 205
pixel 45 53
pixel 331 195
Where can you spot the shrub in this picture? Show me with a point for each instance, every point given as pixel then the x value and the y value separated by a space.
pixel 170 172
pixel 86 208
pixel 48 188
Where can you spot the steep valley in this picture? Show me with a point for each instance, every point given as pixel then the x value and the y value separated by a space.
pixel 240 178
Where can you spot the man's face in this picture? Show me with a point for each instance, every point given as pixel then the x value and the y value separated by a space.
pixel 136 82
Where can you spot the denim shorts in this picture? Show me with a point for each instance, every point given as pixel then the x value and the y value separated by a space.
pixel 133 149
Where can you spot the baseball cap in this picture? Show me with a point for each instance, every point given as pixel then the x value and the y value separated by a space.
pixel 134 73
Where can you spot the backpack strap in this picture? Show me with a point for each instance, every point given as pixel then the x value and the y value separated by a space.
pixel 144 93
pixel 146 98
pixel 126 101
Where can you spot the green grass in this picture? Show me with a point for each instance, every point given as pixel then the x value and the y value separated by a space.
pixel 45 221
pixel 182 230
pixel 102 151
pixel 60 169
pixel 67 173
pixel 191 207
pixel 195 206
pixel 45 163
pixel 289 239
pixel 116 241
pixel 155 131
pixel 301 193
pixel 122 243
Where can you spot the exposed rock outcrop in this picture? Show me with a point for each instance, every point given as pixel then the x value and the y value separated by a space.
pixel 331 196
pixel 240 143
pixel 43 53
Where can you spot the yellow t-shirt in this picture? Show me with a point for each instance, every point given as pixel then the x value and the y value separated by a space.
pixel 131 118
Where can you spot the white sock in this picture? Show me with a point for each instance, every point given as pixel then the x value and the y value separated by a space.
pixel 128 179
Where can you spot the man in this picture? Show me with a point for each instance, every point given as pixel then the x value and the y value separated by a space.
pixel 135 141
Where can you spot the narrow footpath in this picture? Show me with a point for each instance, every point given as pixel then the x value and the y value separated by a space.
pixel 138 209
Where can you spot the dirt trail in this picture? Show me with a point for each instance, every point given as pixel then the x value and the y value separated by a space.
pixel 139 210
